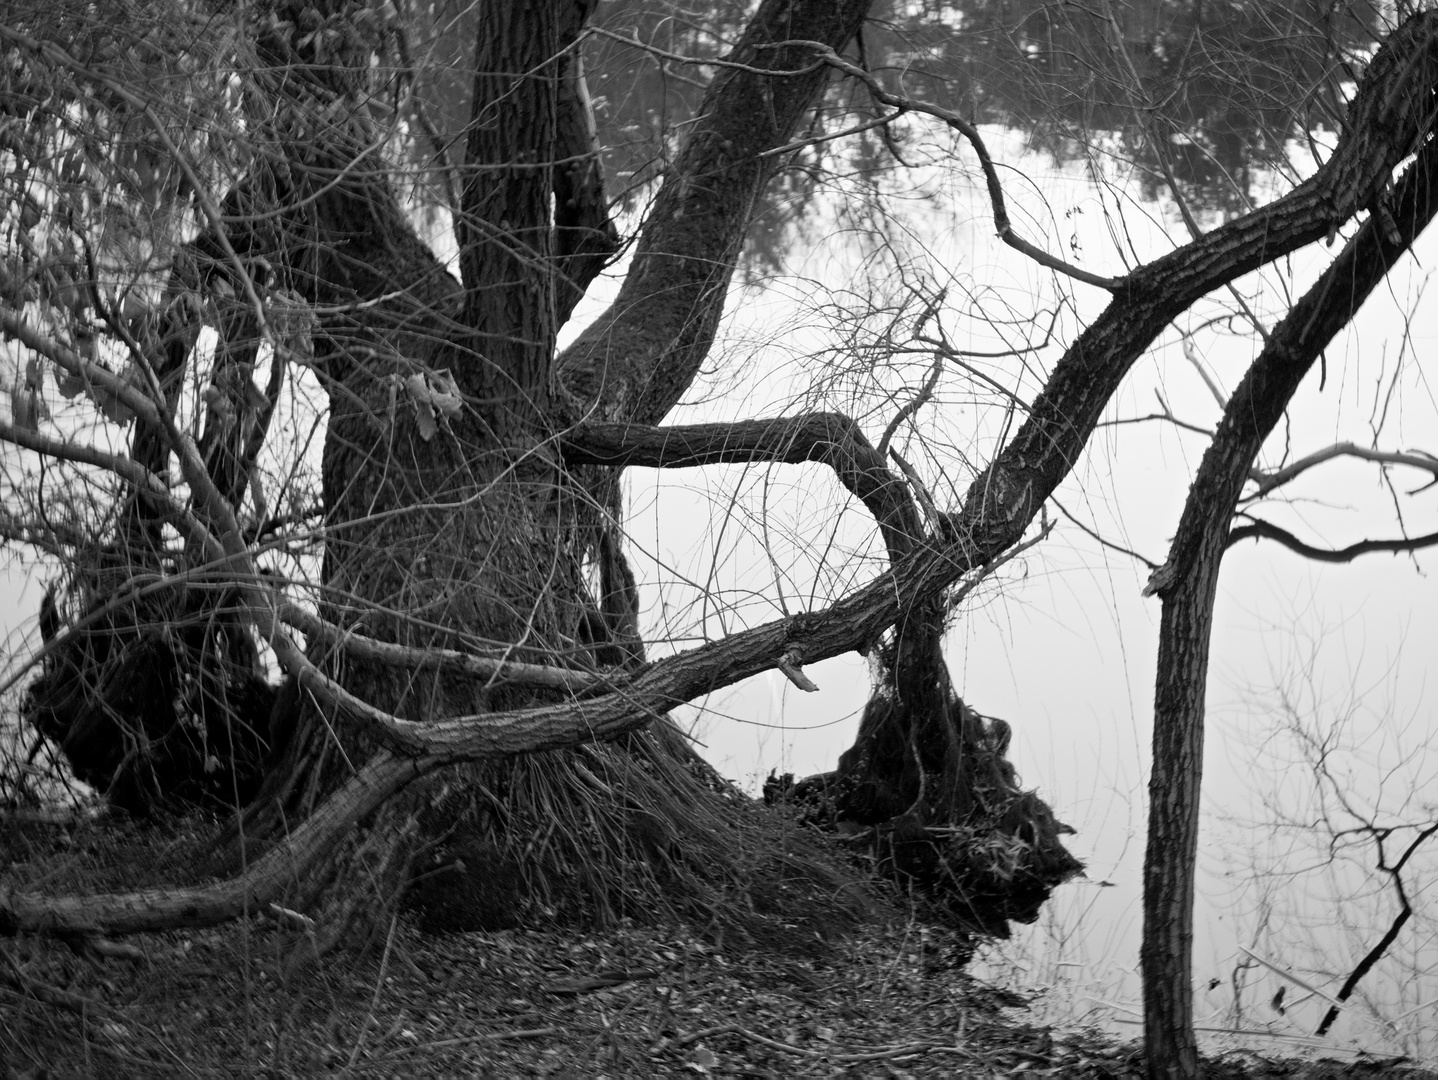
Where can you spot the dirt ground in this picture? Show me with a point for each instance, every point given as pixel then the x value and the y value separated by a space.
pixel 817 985
pixel 252 1000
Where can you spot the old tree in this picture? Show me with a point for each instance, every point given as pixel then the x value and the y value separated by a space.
pixel 207 208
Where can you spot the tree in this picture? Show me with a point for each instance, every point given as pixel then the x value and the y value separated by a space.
pixel 473 601
pixel 474 609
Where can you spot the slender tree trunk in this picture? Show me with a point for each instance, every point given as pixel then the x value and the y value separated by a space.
pixel 1187 584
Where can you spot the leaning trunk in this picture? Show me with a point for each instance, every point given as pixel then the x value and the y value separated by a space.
pixel 1188 583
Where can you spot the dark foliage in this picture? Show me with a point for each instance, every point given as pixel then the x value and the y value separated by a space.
pixel 158 703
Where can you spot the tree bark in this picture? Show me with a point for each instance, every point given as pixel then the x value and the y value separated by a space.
pixel 1187 584
pixel 461 531
pixel 472 535
pixel 637 360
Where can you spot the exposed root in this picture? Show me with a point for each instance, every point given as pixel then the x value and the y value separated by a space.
pixel 157 701
pixel 928 794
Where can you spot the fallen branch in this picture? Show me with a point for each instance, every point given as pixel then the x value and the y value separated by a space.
pixel 602 981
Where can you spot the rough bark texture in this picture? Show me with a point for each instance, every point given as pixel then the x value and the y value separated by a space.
pixel 637 360
pixel 473 537
pixel 463 530
pixel 1188 583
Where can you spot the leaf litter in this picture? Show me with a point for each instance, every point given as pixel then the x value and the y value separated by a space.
pixel 887 1000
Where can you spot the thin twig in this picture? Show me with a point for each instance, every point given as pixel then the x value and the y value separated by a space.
pixel 914 404
pixel 1405 911
pixel 1106 543
pixel 961 593
pixel 374 998
pixel 971 133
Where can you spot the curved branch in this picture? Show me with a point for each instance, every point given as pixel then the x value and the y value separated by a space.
pixel 13 325
pixel 125 468
pixel 1386 121
pixel 1268 481
pixel 1096 535
pixel 361 647
pixel 914 404
pixel 1002 224
pixel 828 438
pixel 1266 530
pixel 263 884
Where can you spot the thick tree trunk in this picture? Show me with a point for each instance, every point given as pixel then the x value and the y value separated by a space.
pixel 473 535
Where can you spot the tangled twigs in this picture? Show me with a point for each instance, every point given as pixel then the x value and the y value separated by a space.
pixel 971 134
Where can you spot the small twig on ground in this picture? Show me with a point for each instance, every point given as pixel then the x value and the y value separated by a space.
pixel 465 1040
pixel 291 920
pixel 602 981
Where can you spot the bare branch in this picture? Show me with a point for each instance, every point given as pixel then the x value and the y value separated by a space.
pixel 986 162
pixel 795 674
pixel 1190 353
pixel 987 570
pixel 124 467
pixel 1416 459
pixel 1266 530
pixel 637 359
pixel 913 405
pixel 366 648
pixel 1405 911
pixel 732 65
pixel 1386 120
pixel 1188 580
pixel 13 325
pixel 921 491
pixel 829 438
pixel 1094 533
